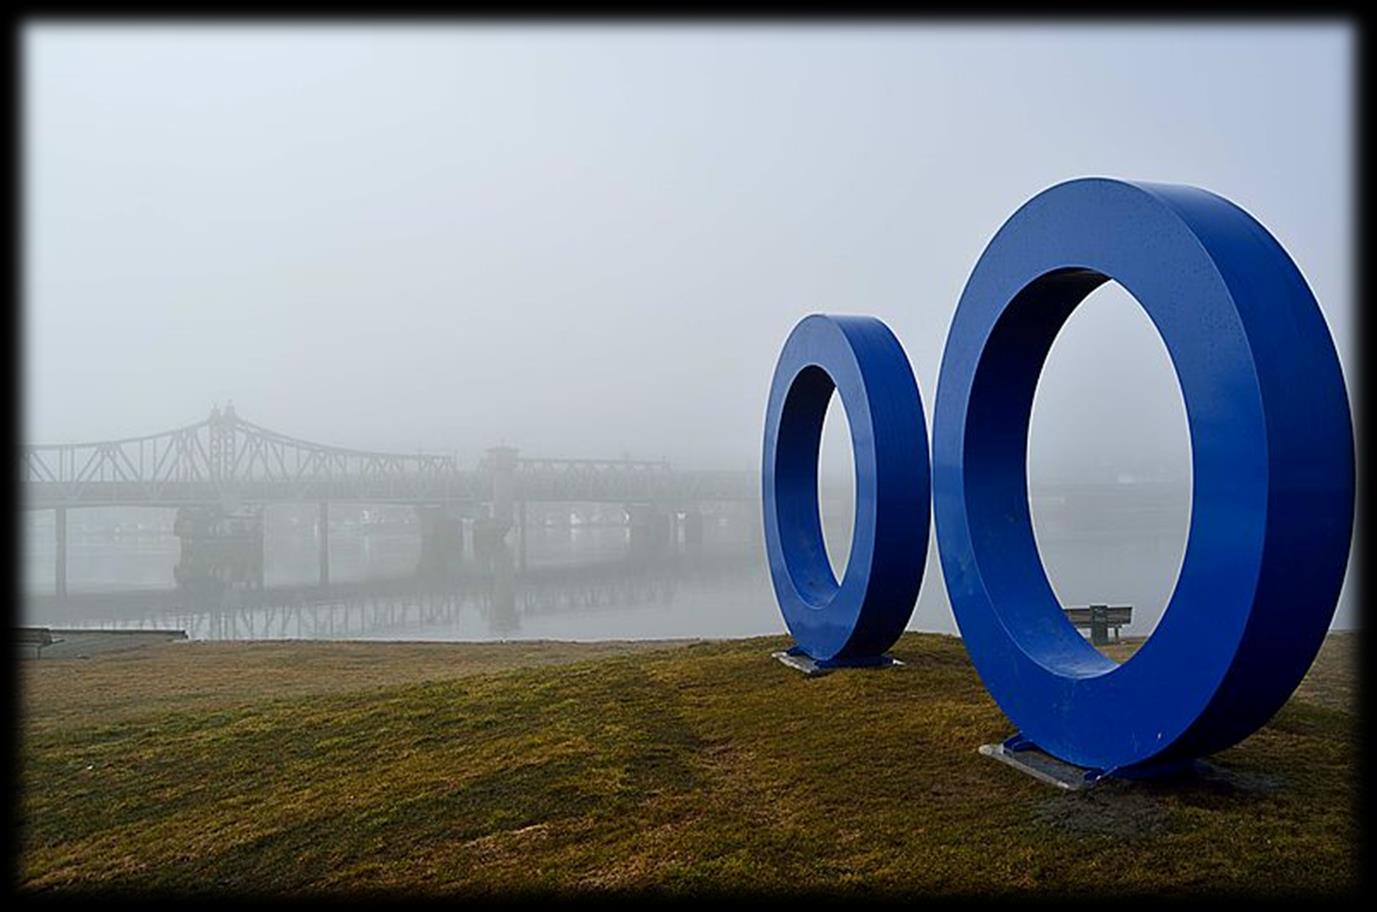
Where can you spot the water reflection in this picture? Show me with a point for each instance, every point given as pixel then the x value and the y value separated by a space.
pixel 578 581
pixel 581 583
pixel 710 591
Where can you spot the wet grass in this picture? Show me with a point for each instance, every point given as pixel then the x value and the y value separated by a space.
pixel 699 767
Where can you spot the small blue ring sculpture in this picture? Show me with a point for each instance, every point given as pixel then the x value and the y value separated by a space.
pixel 863 615
pixel 1272 455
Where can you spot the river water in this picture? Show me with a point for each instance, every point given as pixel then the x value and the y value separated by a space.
pixel 1098 545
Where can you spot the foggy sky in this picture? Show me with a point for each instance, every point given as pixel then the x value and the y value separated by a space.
pixel 590 241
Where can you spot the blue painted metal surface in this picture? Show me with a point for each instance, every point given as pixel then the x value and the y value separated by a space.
pixel 862 615
pixel 1271 449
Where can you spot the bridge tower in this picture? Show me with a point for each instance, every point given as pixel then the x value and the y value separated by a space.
pixel 221 543
pixel 222 454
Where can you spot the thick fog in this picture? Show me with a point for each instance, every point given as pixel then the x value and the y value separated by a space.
pixel 591 241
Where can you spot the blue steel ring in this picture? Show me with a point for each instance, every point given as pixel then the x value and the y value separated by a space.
pixel 866 612
pixel 1271 450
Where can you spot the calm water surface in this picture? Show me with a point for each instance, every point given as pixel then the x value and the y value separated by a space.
pixel 577 584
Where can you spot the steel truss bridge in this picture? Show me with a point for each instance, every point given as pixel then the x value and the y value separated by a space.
pixel 225 459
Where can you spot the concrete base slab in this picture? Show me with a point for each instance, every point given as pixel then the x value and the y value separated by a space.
pixel 1043 767
pixel 1027 758
pixel 78 643
pixel 811 667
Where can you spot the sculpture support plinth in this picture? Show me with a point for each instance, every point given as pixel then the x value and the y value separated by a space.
pixel 1026 757
pixel 799 660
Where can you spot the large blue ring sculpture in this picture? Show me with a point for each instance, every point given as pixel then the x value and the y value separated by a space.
pixel 1271 449
pixel 856 620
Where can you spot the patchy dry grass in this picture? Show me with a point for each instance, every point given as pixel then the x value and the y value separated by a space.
pixel 308 768
pixel 224 675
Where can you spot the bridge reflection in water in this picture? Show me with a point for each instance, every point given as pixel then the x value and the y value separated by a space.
pixel 496 600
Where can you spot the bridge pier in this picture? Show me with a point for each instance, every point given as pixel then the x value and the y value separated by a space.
pixel 503 618
pixel 489 538
pixel 60 582
pixel 323 540
pixel 502 465
pixel 649 530
pixel 490 531
pixel 220 551
pixel 442 538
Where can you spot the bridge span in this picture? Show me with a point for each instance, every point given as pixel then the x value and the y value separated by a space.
pixel 219 474
pixel 224 458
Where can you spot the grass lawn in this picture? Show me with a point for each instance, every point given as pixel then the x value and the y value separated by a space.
pixel 342 768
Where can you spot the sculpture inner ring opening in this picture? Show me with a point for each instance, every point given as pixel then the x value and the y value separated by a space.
pixel 796 485
pixel 996 444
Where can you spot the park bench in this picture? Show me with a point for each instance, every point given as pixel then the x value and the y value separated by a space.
pixel 37 637
pixel 1100 619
